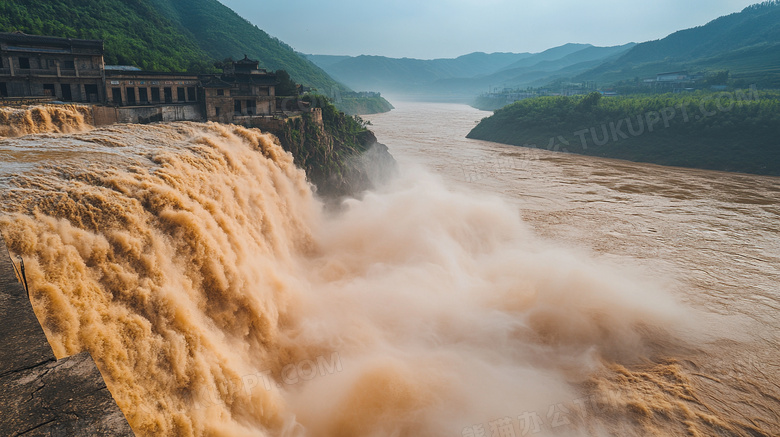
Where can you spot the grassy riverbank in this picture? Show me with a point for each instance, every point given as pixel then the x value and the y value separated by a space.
pixel 731 131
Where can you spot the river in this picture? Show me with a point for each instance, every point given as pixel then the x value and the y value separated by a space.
pixel 487 290
pixel 712 237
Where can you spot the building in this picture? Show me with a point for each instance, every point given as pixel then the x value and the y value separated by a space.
pixel 676 80
pixel 675 76
pixel 242 93
pixel 43 66
pixel 35 69
pixel 126 87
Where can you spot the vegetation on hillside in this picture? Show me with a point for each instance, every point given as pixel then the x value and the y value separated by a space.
pixel 362 103
pixel 220 32
pixel 169 35
pixel 732 131
pixel 747 43
pixel 134 32
pixel 342 156
pixel 161 35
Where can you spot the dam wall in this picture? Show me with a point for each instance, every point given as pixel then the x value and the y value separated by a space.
pixel 104 115
pixel 40 395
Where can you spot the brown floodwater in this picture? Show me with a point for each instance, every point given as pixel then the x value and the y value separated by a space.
pixel 486 290
pixel 712 237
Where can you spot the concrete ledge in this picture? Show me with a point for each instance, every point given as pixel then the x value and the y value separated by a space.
pixel 40 396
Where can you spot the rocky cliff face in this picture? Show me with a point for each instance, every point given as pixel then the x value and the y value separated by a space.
pixel 338 162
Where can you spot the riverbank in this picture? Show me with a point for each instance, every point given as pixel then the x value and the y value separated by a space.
pixel 729 131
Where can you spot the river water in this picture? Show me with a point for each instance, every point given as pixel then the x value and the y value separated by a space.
pixel 487 290
pixel 712 237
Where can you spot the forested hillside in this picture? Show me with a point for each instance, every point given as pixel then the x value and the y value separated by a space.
pixel 220 33
pixel 135 33
pixel 163 35
pixel 732 131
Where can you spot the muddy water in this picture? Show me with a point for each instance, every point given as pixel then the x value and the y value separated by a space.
pixel 711 237
pixel 487 290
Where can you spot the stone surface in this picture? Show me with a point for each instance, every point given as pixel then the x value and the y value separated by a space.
pixel 22 341
pixel 40 396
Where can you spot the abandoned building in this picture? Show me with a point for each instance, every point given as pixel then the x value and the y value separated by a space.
pixel 126 87
pixel 59 68
pixel 240 94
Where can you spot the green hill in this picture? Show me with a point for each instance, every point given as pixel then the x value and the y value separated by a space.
pixel 220 33
pixel 746 43
pixel 730 131
pixel 161 35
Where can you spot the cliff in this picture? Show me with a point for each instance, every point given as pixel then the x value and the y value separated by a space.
pixel 339 157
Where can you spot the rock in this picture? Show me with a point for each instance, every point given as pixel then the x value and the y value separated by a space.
pixel 39 395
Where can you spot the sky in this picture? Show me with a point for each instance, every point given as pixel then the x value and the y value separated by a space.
pixel 427 29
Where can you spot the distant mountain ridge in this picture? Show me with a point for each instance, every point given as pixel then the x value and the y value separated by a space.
pixel 465 75
pixel 746 43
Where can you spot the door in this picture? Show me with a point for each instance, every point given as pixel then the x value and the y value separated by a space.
pixel 116 95
pixel 66 94
pixel 92 93
pixel 130 91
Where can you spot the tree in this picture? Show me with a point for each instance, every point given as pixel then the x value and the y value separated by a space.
pixel 286 87
pixel 589 101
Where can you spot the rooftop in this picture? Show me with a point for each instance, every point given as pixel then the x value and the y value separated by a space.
pixel 65 43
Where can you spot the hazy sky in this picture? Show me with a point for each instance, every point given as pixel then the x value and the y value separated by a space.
pixel 449 28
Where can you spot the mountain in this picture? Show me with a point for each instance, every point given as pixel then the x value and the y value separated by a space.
pixel 549 55
pixel 746 43
pixel 220 33
pixel 463 77
pixel 393 74
pixel 544 68
pixel 162 35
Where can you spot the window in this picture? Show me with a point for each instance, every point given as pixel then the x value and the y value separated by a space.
pixel 156 95
pixel 69 65
pixel 237 107
pixel 191 94
pixel 143 95
pixel 251 107
pixel 3 89
pixel 220 92
pixel 48 90
pixel 180 95
pixel 168 94
pixel 24 63
pixel 216 110
pixel 130 91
